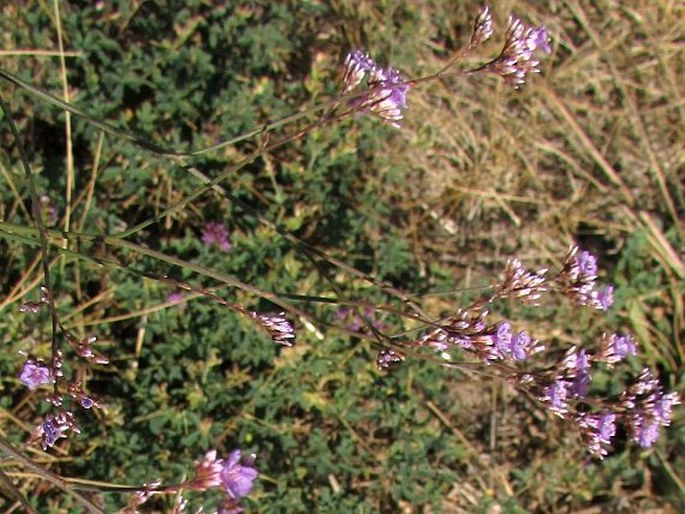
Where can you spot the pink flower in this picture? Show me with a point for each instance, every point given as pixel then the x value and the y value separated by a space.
pixel 207 472
pixel 216 233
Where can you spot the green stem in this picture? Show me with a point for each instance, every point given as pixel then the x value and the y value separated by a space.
pixel 140 140
pixel 48 475
pixel 38 220
pixel 20 232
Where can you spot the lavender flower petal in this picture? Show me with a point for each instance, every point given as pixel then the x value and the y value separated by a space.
pixel 236 478
pixel 34 374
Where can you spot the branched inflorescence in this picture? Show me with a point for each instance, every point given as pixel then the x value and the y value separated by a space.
pixel 36 373
pixel 384 90
pixel 368 87
pixel 517 58
pixel 563 387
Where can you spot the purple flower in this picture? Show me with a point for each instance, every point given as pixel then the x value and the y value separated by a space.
pixel 587 264
pixel 538 38
pixel 624 346
pixel 581 382
pixel 556 394
pixel 55 426
pixel 515 346
pixel 614 348
pixel 605 297
pixel 648 407
pixel 238 479
pixel 522 346
pixel 386 90
pixel 578 278
pixel 34 374
pixel 51 432
pixel 175 297
pixel 647 434
pixel 391 99
pixel 216 233
pixel 502 338
pixel 606 426
pixel 663 406
pixel 598 430
pixel 517 57
pixel 464 342
pixel 207 472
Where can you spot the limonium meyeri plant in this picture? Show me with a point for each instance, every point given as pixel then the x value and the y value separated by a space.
pixel 560 380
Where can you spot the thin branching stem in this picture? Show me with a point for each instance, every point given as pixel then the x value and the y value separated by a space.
pixel 48 476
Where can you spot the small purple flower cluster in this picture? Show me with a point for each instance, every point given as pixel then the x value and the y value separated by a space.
pixel 469 331
pixel 597 431
pixel 564 386
pixel 215 233
pixel 385 91
pixel 54 427
pixel 235 475
pixel 614 348
pixel 36 373
pixel 517 58
pixel 648 408
pixel 578 281
pixel 482 28
pixel 643 409
pixel 368 87
pixel 518 282
pixel 388 359
pixel 517 347
pixel 277 326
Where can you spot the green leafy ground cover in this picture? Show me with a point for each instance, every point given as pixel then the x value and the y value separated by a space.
pixel 592 151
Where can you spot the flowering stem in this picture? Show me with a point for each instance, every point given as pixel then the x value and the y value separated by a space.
pixel 38 219
pixel 162 257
